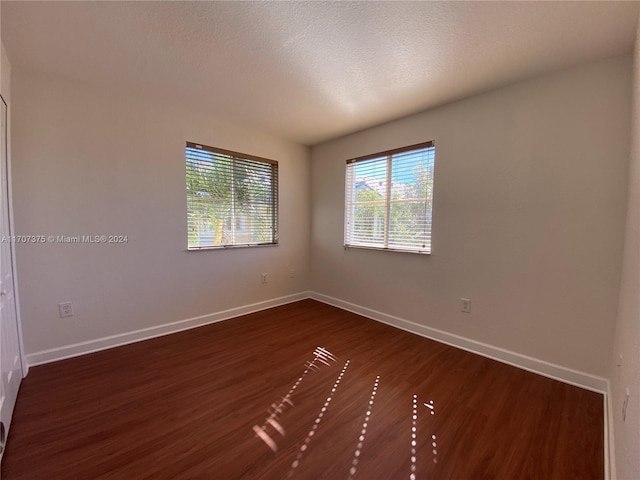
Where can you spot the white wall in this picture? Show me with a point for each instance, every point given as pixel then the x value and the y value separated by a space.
pixel 529 206
pixel 627 334
pixel 5 75
pixel 90 162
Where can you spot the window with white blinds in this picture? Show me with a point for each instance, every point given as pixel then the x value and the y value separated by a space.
pixel 232 198
pixel 388 202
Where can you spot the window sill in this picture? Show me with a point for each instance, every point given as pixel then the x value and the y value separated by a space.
pixel 383 249
pixel 232 247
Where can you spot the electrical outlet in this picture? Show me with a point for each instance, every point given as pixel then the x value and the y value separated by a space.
pixel 619 362
pixel 292 273
pixel 465 305
pixel 263 278
pixel 625 404
pixel 65 309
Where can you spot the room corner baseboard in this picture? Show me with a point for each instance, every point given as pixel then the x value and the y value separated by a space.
pixel 83 348
pixel 573 377
pixel 609 446
pixel 557 372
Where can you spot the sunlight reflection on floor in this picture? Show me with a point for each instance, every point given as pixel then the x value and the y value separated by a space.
pixel 323 358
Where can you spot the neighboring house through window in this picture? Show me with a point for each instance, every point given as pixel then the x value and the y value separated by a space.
pixel 388 199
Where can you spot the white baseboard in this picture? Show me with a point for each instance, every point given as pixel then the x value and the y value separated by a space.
pixel 83 348
pixel 609 447
pixel 573 377
pixel 557 372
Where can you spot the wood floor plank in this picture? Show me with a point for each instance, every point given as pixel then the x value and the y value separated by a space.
pixel 187 406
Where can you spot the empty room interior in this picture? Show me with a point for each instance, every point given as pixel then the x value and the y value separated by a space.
pixel 320 240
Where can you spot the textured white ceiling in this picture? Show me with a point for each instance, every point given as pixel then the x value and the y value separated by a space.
pixel 310 71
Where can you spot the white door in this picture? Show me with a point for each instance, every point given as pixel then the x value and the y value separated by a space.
pixel 10 355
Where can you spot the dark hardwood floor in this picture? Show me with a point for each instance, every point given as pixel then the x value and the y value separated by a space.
pixel 255 398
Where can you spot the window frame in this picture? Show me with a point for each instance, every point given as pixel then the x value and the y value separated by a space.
pixel 350 188
pixel 274 195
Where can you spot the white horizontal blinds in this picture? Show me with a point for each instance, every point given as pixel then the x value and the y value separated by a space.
pixel 208 196
pixel 232 199
pixel 388 199
pixel 366 202
pixel 411 199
